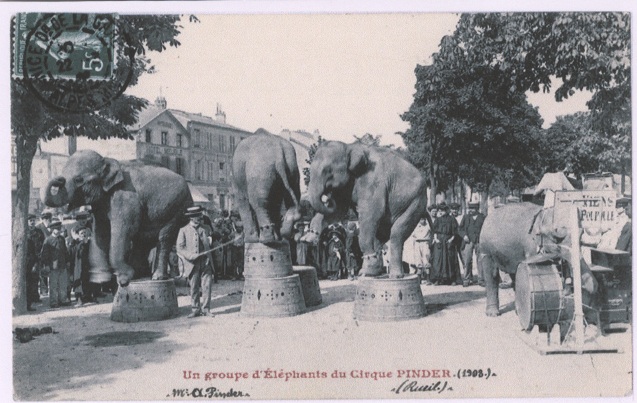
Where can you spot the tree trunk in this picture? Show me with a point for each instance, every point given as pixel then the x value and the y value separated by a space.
pixel 25 151
pixel 432 183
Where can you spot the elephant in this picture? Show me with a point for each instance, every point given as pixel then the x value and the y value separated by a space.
pixel 387 192
pixel 136 207
pixel 515 232
pixel 266 187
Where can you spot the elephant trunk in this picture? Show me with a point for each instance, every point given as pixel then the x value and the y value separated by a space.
pixel 322 200
pixel 55 193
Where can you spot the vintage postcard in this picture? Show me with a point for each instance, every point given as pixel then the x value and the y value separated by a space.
pixel 317 201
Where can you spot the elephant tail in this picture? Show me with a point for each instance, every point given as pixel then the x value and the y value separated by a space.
pixel 288 171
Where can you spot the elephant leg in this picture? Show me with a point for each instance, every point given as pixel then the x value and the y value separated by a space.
pixel 250 231
pixel 292 215
pixel 370 245
pixel 139 257
pixel 167 238
pixel 400 230
pixel 491 277
pixel 100 271
pixel 263 205
pixel 125 213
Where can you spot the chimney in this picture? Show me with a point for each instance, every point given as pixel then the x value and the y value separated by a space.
pixel 160 102
pixel 220 116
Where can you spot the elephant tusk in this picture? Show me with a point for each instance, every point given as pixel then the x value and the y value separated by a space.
pixel 324 199
pixel 54 190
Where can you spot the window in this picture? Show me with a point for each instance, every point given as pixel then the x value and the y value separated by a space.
pixel 211 174
pixel 222 144
pixel 179 165
pixel 180 139
pixel 221 165
pixel 222 201
pixel 232 147
pixel 164 138
pixel 198 169
pixel 165 161
pixel 197 138
pixel 148 135
pixel 209 140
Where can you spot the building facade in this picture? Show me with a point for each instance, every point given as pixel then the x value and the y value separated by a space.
pixel 198 147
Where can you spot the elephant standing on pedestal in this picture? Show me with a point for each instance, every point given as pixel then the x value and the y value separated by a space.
pixel 266 187
pixel 388 193
pixel 136 207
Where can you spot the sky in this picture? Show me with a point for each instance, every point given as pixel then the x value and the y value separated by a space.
pixel 343 74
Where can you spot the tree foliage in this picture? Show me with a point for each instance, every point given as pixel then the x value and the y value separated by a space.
pixel 470 117
pixel 311 152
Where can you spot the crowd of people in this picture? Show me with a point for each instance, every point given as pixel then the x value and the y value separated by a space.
pixel 444 253
pixel 57 263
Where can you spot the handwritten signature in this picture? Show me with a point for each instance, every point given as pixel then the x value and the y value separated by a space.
pixel 413 386
pixel 209 392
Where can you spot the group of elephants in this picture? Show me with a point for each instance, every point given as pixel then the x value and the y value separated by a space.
pixel 140 206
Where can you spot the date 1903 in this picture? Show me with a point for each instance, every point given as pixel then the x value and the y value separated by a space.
pixel 475 373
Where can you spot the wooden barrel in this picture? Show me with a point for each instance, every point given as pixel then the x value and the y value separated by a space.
pixel 267 261
pixel 539 296
pixel 145 301
pixel 272 297
pixel 309 284
pixel 383 299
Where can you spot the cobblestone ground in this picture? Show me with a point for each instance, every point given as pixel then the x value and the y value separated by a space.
pixel 323 353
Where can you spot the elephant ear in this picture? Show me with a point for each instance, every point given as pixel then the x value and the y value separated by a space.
pixel 358 159
pixel 111 174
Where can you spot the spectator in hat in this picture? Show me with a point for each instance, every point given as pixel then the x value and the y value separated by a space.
pixel 35 240
pixel 353 251
pixel 454 211
pixel 445 257
pixel 620 235
pixel 469 230
pixel 625 241
pixel 192 245
pixel 237 250
pixel 301 247
pixel 43 227
pixel 79 264
pixel 420 241
pixel 54 257
pixel 335 249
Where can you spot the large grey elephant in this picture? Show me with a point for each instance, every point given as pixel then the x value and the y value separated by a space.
pixel 266 187
pixel 388 193
pixel 513 233
pixel 136 207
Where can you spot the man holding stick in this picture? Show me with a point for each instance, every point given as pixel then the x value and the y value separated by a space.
pixel 194 246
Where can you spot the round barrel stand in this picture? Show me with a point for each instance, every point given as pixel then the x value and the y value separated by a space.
pixel 272 297
pixel 383 299
pixel 145 301
pixel 540 297
pixel 267 261
pixel 309 285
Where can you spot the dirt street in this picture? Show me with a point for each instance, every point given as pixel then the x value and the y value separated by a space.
pixel 323 354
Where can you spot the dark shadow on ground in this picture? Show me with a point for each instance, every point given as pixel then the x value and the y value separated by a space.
pixel 109 344
pixel 439 302
pixel 123 338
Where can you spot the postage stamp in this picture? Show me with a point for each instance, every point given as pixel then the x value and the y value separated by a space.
pixel 64 46
pixel 70 60
pixel 357 203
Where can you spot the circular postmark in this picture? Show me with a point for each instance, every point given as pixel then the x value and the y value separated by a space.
pixel 70 60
